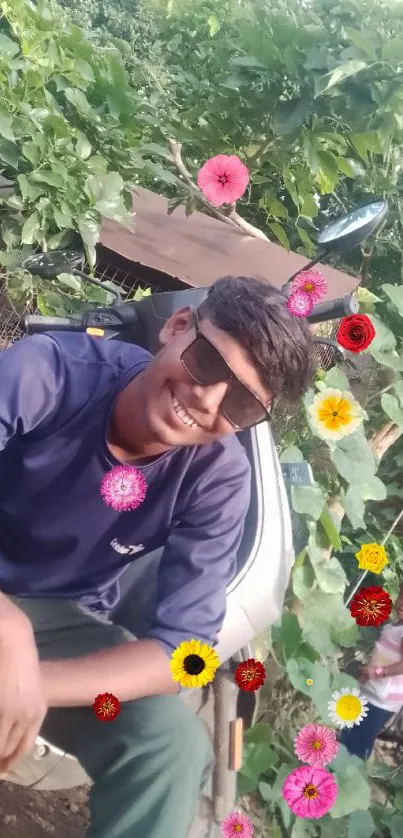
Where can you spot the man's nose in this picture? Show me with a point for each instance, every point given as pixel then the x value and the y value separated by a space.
pixel 208 398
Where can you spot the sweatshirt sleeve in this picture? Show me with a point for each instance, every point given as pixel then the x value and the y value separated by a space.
pixel 199 559
pixel 31 386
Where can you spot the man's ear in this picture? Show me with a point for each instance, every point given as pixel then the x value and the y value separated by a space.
pixel 176 325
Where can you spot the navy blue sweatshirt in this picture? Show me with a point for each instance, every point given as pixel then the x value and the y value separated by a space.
pixel 58 538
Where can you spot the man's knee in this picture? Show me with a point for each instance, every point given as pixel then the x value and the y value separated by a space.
pixel 168 723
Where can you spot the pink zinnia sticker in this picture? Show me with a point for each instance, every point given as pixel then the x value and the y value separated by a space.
pixel 123 488
pixel 299 304
pixel 223 179
pixel 316 744
pixel 310 792
pixel 310 282
pixel 236 825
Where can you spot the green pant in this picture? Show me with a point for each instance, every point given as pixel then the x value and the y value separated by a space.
pixel 150 764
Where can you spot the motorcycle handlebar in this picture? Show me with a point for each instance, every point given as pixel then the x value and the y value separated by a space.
pixel 334 309
pixel 34 323
pixel 116 318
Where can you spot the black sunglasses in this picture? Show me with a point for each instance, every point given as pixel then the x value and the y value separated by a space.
pixel 240 406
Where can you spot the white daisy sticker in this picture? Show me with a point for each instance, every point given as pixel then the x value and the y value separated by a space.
pixel 347 707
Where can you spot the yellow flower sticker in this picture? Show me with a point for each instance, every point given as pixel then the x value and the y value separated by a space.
pixel 372 557
pixel 194 663
pixel 335 414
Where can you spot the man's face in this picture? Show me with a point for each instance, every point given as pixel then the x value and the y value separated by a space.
pixel 178 411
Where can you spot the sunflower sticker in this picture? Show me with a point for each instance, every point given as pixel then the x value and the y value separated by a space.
pixel 194 663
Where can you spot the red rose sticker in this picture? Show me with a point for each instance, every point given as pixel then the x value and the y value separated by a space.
pixel 355 332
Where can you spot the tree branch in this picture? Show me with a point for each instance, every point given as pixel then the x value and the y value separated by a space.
pixel 229 215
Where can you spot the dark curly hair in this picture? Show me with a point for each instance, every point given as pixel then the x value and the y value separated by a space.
pixel 255 314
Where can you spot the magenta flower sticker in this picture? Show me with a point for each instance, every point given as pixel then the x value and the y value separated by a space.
pixel 237 825
pixel 309 792
pixel 316 745
pixel 223 179
pixel 123 488
pixel 311 282
pixel 299 304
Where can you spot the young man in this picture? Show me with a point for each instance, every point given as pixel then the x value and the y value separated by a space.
pixel 72 409
pixel 382 685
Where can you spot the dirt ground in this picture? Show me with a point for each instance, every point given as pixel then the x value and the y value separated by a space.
pixel 39 814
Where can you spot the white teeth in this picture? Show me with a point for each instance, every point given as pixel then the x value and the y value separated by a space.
pixel 183 416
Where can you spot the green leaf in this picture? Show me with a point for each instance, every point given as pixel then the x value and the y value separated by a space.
pixel 9 153
pixel 361 825
pixel 30 229
pixel 365 142
pixel 391 407
pixel 32 152
pixel 79 100
pixel 331 527
pixel 247 61
pixel 308 500
pixel 84 69
pixel 354 793
pixel 83 146
pixel 327 622
pixel 328 173
pixel 288 634
pixel 89 230
pixel 329 572
pixel 52 177
pixel 353 458
pixel 288 116
pixel 395 294
pixel 6 130
pixel 383 346
pixel 214 25
pixel 302 581
pixel 105 192
pixel 345 71
pixel 280 234
pixel 336 378
pixel 300 670
pixel 8 48
pixel 266 792
pixel 361 41
pixel 70 282
pixel 354 507
pixel 258 758
pixel 393 49
pixel 292 454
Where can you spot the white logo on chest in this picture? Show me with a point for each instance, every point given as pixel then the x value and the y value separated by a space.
pixel 130 550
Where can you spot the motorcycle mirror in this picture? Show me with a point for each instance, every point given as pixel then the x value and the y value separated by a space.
pixel 54 262
pixel 352 228
pixel 345 233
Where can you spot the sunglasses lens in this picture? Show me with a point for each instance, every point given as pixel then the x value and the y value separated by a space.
pixel 241 407
pixel 205 365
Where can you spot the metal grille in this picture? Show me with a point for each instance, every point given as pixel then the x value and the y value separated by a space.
pixel 128 282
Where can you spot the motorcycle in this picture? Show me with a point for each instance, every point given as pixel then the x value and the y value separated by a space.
pixel 256 594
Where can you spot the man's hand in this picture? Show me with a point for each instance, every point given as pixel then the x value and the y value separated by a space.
pixel 368 672
pixel 22 701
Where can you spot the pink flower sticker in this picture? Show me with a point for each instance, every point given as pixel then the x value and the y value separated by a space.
pixel 123 488
pixel 299 304
pixel 316 744
pixel 310 792
pixel 311 282
pixel 223 179
pixel 237 825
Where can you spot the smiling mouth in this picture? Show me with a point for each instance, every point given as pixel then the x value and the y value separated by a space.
pixel 182 415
